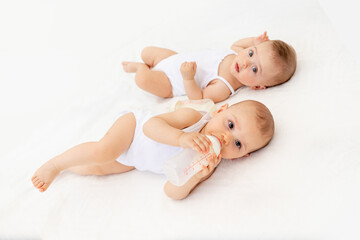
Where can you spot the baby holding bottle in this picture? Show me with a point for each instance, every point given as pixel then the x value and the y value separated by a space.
pixel 144 140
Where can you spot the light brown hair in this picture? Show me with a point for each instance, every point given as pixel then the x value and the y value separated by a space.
pixel 285 57
pixel 264 119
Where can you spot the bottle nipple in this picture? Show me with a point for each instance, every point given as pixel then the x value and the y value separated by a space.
pixel 216 144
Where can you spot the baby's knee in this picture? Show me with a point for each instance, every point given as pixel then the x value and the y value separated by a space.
pixel 103 153
pixel 147 55
pixel 141 78
pixel 146 52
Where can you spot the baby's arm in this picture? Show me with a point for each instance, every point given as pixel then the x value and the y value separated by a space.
pixel 188 71
pixel 181 192
pixel 216 90
pixel 167 128
pixel 249 42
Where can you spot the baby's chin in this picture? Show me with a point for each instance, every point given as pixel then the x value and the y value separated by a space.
pixel 233 71
pixel 242 84
pixel 235 74
pixel 230 156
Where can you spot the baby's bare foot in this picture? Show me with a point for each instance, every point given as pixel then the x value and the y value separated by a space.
pixel 132 67
pixel 44 176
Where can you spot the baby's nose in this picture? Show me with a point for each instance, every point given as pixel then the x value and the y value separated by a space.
pixel 225 138
pixel 245 63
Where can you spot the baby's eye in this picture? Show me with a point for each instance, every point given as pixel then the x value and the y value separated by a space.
pixel 231 125
pixel 251 53
pixel 254 69
pixel 238 143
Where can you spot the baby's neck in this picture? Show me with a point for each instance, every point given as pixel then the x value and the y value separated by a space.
pixel 224 71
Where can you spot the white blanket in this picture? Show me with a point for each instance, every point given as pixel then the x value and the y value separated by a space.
pixel 63 84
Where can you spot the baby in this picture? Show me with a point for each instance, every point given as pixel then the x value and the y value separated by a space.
pixel 256 62
pixel 143 140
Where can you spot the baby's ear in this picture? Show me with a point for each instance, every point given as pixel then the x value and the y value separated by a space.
pixel 222 108
pixel 258 87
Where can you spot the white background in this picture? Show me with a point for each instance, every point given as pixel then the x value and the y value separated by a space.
pixel 62 83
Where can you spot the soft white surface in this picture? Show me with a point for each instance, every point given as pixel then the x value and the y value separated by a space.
pixel 62 84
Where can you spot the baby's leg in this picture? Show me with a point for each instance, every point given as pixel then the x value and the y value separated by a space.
pixel 100 170
pixel 153 55
pixel 154 82
pixel 106 151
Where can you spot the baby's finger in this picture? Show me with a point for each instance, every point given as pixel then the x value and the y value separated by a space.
pixel 266 37
pixel 208 140
pixel 204 171
pixel 196 147
pixel 218 160
pixel 200 143
pixel 205 140
pixel 183 66
pixel 215 161
pixel 212 161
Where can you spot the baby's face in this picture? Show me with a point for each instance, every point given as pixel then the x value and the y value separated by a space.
pixel 236 128
pixel 255 66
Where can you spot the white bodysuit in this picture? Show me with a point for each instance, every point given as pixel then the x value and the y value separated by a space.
pixel 146 154
pixel 207 62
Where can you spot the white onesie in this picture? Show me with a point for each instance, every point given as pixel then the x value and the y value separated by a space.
pixel 207 62
pixel 146 154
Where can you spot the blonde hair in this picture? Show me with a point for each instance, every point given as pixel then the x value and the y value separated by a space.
pixel 285 57
pixel 264 119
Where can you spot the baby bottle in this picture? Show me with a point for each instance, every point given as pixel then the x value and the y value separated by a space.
pixel 180 168
pixel 206 105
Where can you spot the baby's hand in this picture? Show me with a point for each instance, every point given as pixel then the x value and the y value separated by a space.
pixel 188 70
pixel 262 38
pixel 209 168
pixel 196 141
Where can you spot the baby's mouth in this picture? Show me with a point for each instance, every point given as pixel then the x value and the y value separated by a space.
pixel 237 67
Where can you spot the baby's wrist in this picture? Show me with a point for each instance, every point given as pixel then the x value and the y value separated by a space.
pixel 179 140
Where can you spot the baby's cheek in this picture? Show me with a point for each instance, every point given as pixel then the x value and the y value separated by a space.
pixel 225 153
pixel 231 152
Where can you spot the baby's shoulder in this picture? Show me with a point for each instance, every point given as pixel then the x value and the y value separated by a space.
pixel 189 112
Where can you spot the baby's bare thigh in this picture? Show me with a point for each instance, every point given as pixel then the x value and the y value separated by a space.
pixel 116 141
pixel 153 55
pixel 120 135
pixel 101 170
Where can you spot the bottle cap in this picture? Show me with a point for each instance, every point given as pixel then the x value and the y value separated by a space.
pixel 216 145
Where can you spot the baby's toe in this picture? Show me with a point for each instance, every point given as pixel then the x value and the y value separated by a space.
pixel 44 187
pixel 35 181
pixel 34 178
pixel 40 184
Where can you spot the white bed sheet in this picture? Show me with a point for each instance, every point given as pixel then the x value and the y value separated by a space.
pixel 63 84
